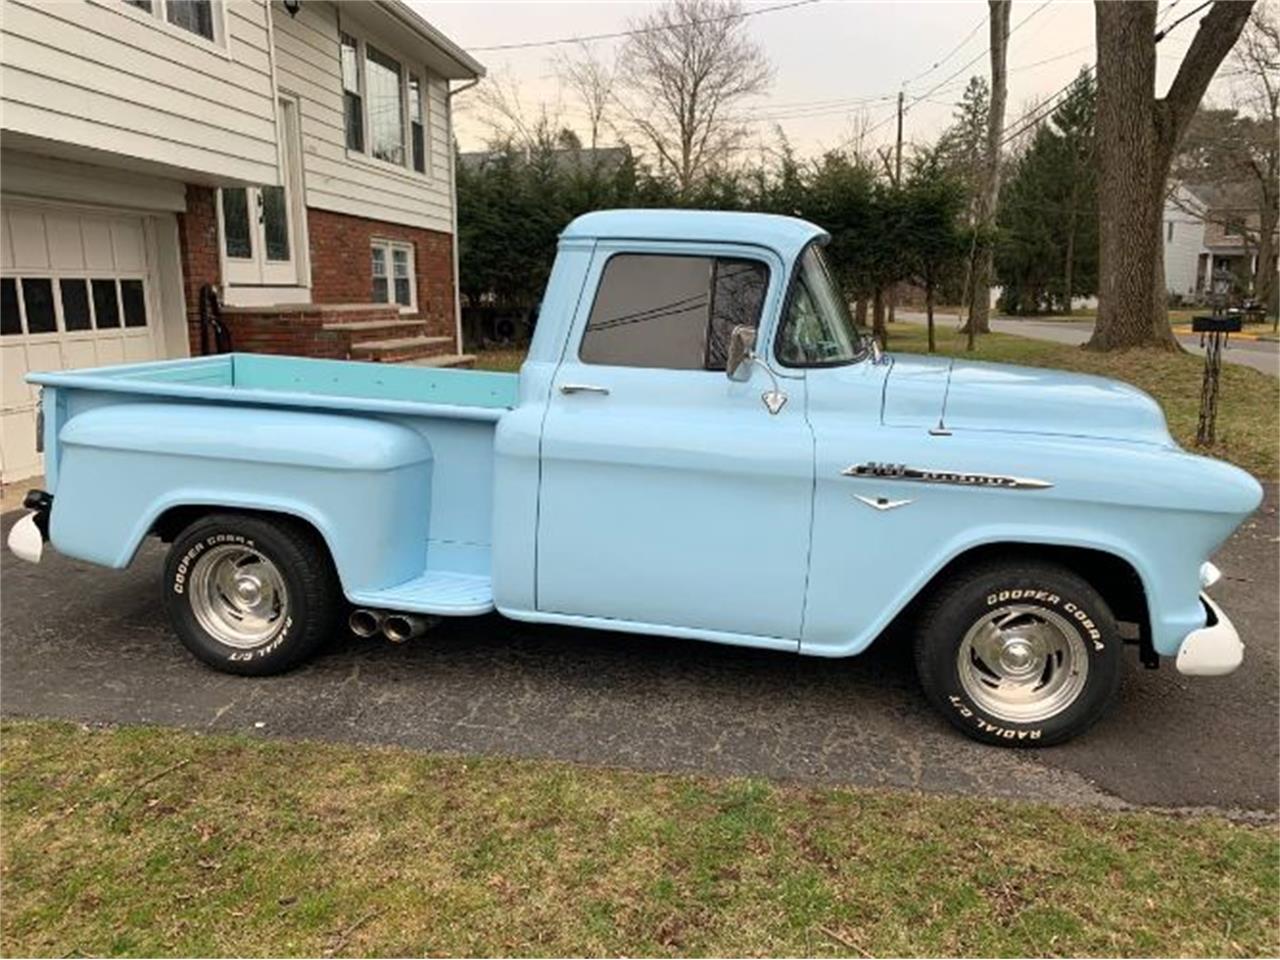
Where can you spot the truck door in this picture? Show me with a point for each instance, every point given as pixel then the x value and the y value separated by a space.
pixel 670 495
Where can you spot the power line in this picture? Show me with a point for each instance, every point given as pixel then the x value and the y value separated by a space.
pixel 640 30
pixel 1037 115
pixel 1161 34
pixel 1167 11
pixel 956 49
pixel 932 90
pixel 803 110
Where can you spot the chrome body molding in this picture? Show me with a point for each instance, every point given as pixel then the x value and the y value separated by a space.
pixel 964 478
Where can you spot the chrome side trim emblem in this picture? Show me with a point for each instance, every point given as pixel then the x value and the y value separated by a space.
pixel 964 478
pixel 881 503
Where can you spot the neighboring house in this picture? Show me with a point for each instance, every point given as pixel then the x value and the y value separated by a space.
pixel 601 159
pixel 1210 227
pixel 294 156
pixel 1184 230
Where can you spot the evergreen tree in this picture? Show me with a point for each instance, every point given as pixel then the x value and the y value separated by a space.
pixel 1047 245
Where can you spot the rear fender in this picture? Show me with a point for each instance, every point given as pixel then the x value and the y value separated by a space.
pixel 363 483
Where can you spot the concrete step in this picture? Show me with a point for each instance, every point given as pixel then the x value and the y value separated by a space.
pixel 466 360
pixel 400 349
pixel 362 331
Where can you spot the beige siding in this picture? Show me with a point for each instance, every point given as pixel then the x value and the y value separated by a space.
pixel 103 76
pixel 307 66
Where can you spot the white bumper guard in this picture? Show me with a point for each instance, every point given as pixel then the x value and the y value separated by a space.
pixel 1214 649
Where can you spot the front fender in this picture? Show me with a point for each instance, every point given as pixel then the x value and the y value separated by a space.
pixel 363 483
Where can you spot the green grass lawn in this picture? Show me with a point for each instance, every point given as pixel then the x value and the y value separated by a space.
pixel 157 842
pixel 1248 410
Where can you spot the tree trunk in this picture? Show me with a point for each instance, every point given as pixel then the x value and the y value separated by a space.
pixel 1264 283
pixel 860 312
pixel 928 312
pixel 1136 138
pixel 980 309
pixel 877 318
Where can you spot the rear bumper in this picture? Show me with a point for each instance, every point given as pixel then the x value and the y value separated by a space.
pixel 1213 650
pixel 29 535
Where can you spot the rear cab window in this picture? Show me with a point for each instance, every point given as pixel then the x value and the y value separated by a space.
pixel 672 311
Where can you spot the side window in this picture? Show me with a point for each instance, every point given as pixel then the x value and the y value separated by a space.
pixel 671 311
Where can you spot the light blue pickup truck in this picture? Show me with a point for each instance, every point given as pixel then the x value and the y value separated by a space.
pixel 700 444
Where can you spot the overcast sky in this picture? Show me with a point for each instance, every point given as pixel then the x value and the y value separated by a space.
pixel 825 55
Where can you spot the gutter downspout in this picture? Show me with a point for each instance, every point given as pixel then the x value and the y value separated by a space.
pixel 453 207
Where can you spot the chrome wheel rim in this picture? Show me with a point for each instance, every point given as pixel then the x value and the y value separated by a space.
pixel 238 596
pixel 1023 663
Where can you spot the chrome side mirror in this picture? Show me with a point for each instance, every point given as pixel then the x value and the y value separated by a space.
pixel 742 346
pixel 742 357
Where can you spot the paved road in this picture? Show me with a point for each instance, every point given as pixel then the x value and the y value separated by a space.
pixel 1259 354
pixel 88 644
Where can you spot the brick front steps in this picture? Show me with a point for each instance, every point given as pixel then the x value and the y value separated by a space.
pixel 340 331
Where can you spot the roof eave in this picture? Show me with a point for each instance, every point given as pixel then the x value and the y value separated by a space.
pixel 468 67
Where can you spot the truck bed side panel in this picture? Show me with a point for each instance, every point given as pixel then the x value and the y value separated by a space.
pixel 364 484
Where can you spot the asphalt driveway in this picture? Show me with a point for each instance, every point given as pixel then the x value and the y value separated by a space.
pixel 87 644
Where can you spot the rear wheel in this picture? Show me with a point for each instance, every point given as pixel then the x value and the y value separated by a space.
pixel 250 595
pixel 1019 654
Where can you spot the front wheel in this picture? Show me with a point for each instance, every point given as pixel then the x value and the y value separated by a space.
pixel 248 594
pixel 1019 654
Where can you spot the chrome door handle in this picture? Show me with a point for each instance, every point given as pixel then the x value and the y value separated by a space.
pixel 583 388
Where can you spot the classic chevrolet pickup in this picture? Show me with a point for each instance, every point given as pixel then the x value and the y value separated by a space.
pixel 702 444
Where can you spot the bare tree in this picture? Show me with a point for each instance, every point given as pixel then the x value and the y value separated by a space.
pixel 1257 62
pixel 591 80
pixel 682 75
pixel 1137 135
pixel 980 302
pixel 509 119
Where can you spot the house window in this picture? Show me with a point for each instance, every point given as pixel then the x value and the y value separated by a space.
pixel 386 106
pixel 1169 231
pixel 1234 227
pixel 393 280
pixel 193 15
pixel 385 113
pixel 416 134
pixel 352 101
pixel 200 17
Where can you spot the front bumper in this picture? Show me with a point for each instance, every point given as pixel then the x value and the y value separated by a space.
pixel 1214 649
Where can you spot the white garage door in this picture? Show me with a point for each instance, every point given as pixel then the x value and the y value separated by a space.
pixel 78 290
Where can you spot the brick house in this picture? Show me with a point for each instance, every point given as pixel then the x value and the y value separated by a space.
pixel 292 155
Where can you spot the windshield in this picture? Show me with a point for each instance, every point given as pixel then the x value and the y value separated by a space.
pixel 818 329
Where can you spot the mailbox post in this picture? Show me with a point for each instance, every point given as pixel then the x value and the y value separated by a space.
pixel 1214 331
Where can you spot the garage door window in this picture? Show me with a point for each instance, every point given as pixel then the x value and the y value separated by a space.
pixel 75 305
pixel 10 317
pixel 36 305
pixel 106 311
pixel 37 295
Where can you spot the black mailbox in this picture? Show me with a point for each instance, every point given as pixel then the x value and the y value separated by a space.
pixel 1227 324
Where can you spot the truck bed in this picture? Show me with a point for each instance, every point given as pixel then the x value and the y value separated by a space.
pixel 298 381
pixel 393 465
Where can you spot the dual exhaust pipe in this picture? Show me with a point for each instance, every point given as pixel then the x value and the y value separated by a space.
pixel 396 627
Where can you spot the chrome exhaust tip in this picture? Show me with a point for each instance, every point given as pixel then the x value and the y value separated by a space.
pixel 366 623
pixel 399 627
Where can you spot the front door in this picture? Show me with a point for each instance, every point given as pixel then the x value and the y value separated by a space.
pixel 670 496
pixel 258 223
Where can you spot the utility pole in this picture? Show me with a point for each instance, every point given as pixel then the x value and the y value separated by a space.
pixel 897 163
pixel 897 182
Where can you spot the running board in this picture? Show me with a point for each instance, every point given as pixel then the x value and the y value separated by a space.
pixel 438 592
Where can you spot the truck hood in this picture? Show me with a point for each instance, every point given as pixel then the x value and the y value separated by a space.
pixel 966 395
